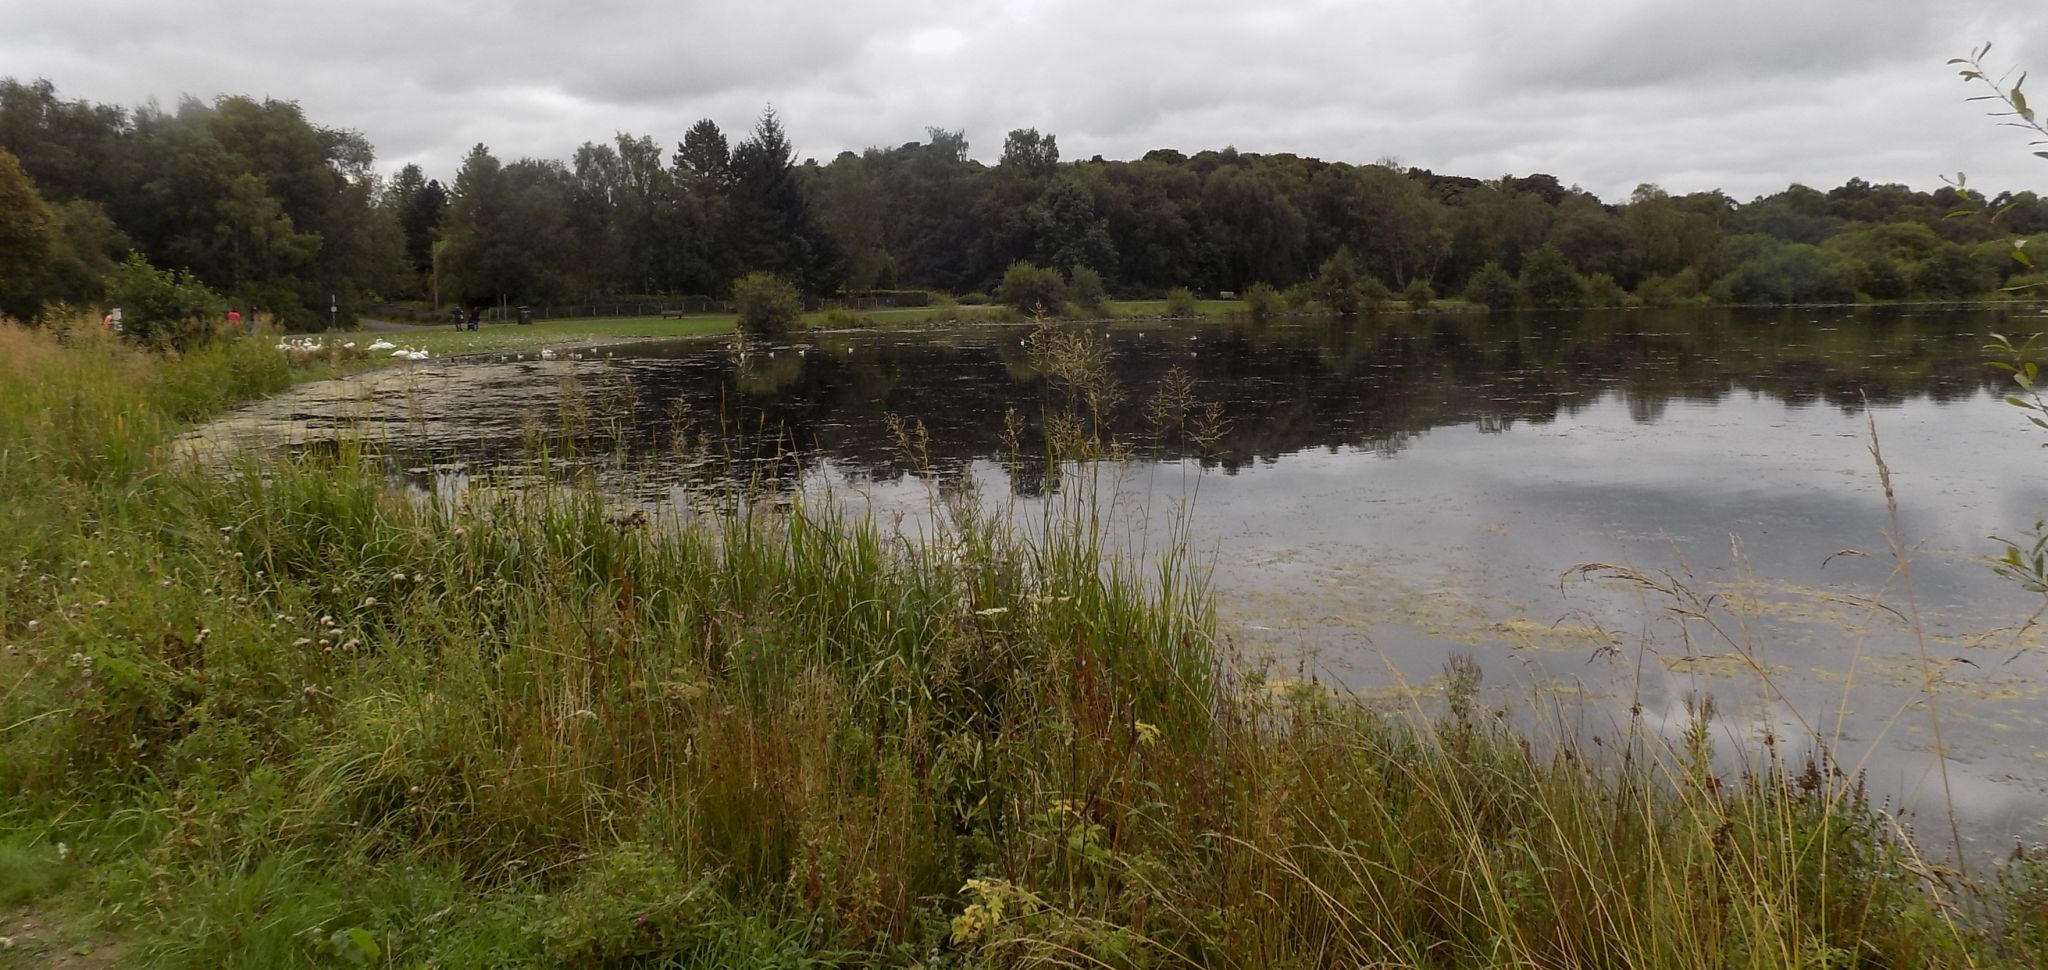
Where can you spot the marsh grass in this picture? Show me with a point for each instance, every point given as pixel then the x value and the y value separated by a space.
pixel 286 717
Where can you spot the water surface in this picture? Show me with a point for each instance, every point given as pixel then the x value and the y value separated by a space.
pixel 1381 492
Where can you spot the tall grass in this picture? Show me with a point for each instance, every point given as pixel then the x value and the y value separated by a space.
pixel 287 717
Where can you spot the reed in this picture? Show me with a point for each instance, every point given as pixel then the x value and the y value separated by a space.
pixel 287 717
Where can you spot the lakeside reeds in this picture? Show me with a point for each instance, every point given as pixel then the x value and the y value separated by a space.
pixel 287 717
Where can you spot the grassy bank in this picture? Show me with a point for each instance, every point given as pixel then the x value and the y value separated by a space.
pixel 288 718
pixel 556 333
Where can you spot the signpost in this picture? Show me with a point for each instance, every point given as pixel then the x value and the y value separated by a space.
pixel 333 311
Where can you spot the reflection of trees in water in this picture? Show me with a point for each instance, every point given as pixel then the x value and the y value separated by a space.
pixel 1371 383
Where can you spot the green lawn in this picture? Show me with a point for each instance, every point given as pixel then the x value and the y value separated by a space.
pixel 554 333
pixel 448 340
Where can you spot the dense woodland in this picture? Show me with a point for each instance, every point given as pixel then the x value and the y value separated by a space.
pixel 274 211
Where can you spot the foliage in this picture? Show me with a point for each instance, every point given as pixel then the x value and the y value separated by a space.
pixel 1548 279
pixel 1029 288
pixel 28 233
pixel 767 304
pixel 164 306
pixel 1341 285
pixel 274 210
pixel 1181 303
pixel 1263 302
pixel 1493 288
pixel 1085 289
pixel 1678 289
pixel 526 731
pixel 1418 294
pixel 1601 290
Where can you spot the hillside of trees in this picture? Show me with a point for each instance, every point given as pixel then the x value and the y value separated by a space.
pixel 275 211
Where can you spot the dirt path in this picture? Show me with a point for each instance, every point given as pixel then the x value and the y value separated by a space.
pixel 31 939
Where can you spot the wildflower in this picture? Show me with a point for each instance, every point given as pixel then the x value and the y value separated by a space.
pixel 369 601
pixel 397 577
pixel 302 641
pixel 1148 734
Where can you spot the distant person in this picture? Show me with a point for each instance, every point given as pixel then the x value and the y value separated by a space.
pixel 476 318
pixel 459 318
pixel 234 317
pixel 107 322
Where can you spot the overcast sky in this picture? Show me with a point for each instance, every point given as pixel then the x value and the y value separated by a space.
pixel 1744 95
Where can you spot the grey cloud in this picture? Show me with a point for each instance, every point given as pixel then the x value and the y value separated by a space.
pixel 1747 95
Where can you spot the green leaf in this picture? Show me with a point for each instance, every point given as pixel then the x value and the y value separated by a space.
pixel 356 946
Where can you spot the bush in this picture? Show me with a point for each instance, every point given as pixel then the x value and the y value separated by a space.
pixel 1180 302
pixel 1418 294
pixel 1343 285
pixel 1679 288
pixel 973 298
pixel 1548 279
pixel 1084 287
pixel 1603 290
pixel 1032 289
pixel 767 304
pixel 841 318
pixel 1493 288
pixel 164 306
pixel 1262 301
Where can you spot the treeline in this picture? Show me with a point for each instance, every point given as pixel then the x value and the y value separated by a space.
pixel 277 212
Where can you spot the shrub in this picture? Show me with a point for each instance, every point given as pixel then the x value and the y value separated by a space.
pixel 1493 288
pixel 1030 288
pixel 1084 287
pixel 973 298
pixel 1371 295
pixel 1262 301
pixel 1180 302
pixel 767 304
pixel 841 318
pixel 1679 288
pixel 1603 290
pixel 1419 294
pixel 164 306
pixel 1548 279
pixel 1343 286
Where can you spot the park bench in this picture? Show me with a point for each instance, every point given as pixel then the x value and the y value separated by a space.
pixel 673 314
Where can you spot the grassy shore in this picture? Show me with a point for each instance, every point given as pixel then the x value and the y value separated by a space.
pixel 556 333
pixel 289 718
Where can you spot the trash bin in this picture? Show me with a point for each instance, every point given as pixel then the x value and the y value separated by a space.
pixel 525 315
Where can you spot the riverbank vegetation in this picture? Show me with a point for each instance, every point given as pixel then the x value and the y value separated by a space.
pixel 277 213
pixel 287 717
